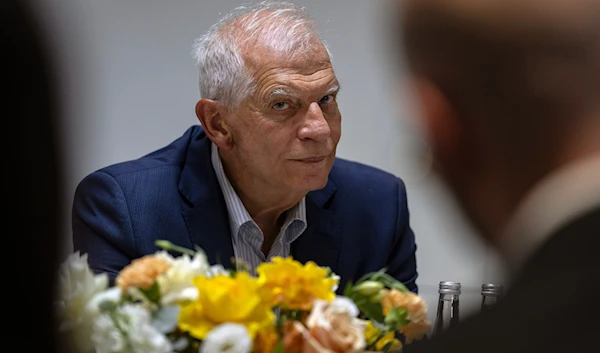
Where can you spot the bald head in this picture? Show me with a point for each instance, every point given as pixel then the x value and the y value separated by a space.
pixel 524 62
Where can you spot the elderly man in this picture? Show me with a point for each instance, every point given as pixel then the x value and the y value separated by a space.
pixel 510 102
pixel 259 177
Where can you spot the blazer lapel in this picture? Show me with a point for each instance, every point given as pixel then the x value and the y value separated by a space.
pixel 208 226
pixel 321 240
pixel 207 220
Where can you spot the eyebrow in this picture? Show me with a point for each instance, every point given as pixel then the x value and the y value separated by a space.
pixel 333 89
pixel 283 92
pixel 279 92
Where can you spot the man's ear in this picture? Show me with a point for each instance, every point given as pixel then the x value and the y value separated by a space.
pixel 212 118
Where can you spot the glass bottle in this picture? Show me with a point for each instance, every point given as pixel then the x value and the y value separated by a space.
pixel 491 294
pixel 447 310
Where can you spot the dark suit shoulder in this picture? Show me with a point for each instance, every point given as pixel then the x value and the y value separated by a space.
pixel 171 156
pixel 346 172
pixel 359 172
pixel 366 189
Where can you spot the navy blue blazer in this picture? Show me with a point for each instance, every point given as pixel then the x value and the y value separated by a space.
pixel 357 223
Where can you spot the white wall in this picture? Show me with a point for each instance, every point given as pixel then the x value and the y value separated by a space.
pixel 129 87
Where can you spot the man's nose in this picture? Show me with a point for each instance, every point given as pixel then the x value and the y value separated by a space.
pixel 315 126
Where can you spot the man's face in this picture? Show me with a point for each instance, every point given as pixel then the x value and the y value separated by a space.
pixel 285 134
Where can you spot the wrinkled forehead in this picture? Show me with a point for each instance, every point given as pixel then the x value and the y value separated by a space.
pixel 301 79
pixel 264 57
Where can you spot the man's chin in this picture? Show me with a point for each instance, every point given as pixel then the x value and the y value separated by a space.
pixel 314 183
pixel 320 185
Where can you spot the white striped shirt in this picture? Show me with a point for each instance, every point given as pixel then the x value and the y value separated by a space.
pixel 247 238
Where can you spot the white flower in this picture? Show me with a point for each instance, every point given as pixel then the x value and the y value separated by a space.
pixel 106 336
pixel 227 338
pixel 216 270
pixel 337 278
pixel 176 283
pixel 128 329
pixel 110 296
pixel 344 304
pixel 77 285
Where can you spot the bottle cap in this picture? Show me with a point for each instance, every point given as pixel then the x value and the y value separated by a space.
pixel 449 287
pixel 492 289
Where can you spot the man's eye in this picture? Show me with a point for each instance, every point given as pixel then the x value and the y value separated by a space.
pixel 327 99
pixel 281 106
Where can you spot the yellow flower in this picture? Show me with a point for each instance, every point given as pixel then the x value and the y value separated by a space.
pixel 371 332
pixel 142 272
pixel 224 299
pixel 388 339
pixel 291 285
pixel 374 338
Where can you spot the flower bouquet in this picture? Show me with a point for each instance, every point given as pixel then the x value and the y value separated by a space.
pixel 162 303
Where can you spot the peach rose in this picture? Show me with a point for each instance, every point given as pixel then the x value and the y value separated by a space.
pixel 417 312
pixel 330 328
pixel 141 272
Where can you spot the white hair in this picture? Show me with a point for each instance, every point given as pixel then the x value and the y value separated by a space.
pixel 223 73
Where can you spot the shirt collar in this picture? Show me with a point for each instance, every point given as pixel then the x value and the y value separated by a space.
pixel 556 200
pixel 238 215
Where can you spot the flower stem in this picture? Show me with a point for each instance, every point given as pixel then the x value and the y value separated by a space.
pixel 167 245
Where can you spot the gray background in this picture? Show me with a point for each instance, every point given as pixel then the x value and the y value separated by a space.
pixel 129 86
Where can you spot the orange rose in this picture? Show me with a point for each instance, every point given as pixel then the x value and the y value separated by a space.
pixel 416 308
pixel 329 329
pixel 142 272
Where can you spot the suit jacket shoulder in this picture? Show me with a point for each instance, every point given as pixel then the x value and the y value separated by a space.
pixel 120 210
pixel 365 183
pixel 173 155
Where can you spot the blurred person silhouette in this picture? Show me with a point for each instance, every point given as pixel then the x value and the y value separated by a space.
pixel 34 179
pixel 508 95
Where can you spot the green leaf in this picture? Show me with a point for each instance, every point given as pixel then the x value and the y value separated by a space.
pixel 168 246
pixel 280 318
pixel 371 275
pixel 348 291
pixel 152 293
pixel 396 319
pixel 391 282
pixel 279 347
pixel 371 310
pixel 400 286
